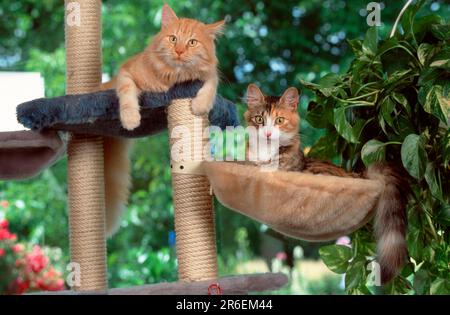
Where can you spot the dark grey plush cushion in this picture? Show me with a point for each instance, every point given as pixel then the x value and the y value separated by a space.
pixel 97 113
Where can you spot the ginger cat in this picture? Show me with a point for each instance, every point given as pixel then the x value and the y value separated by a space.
pixel 278 115
pixel 183 50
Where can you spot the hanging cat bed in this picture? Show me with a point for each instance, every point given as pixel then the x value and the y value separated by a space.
pixel 25 153
pixel 305 206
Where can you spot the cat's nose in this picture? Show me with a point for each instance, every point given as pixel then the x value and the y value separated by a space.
pixel 268 133
pixel 179 51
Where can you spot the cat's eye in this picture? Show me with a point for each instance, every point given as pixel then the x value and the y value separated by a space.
pixel 279 120
pixel 192 42
pixel 259 120
pixel 172 39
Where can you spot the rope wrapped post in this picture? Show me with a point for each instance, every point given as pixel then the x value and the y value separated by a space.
pixel 85 153
pixel 194 216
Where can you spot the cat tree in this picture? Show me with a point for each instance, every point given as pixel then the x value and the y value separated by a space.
pixel 300 201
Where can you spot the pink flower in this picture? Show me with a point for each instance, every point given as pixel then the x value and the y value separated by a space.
pixel 281 256
pixel 2 252
pixel 18 248
pixel 4 203
pixel 344 240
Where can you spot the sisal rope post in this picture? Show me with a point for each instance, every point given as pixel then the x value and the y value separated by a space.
pixel 193 202
pixel 85 153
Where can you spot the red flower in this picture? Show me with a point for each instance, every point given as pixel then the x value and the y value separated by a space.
pixel 36 260
pixel 4 224
pixel 2 252
pixel 6 235
pixel 50 281
pixel 21 285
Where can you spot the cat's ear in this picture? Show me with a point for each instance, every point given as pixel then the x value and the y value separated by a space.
pixel 168 16
pixel 215 29
pixel 254 96
pixel 290 99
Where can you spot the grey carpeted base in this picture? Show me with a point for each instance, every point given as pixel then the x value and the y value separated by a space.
pixel 97 113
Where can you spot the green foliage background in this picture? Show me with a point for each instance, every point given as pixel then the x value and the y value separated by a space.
pixel 393 104
pixel 272 43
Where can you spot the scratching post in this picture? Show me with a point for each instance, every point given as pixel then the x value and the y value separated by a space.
pixel 85 153
pixel 194 217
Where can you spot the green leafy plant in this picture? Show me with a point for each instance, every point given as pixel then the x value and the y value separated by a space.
pixel 393 105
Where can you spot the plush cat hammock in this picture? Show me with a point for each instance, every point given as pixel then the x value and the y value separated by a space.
pixel 293 203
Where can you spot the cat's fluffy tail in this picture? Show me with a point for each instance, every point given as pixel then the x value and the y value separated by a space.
pixel 117 174
pixel 117 180
pixel 390 219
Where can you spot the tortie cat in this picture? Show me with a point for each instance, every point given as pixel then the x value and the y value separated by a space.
pixel 183 50
pixel 278 116
pixel 275 119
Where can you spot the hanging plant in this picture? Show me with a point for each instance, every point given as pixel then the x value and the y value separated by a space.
pixel 393 105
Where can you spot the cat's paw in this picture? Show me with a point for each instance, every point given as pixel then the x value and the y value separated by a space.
pixel 130 118
pixel 201 105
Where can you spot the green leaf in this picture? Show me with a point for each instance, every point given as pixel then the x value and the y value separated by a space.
pixel 442 63
pixel 445 144
pixel 414 156
pixel 414 242
pixel 440 287
pixel 309 85
pixel 437 103
pixel 441 32
pixel 428 254
pixel 408 19
pixel 326 147
pixel 425 23
pixel 356 46
pixel 397 76
pixel 421 282
pixel 387 107
pixel 430 178
pixel 443 216
pixel 425 52
pixel 319 116
pixel 329 80
pixel 370 43
pixel 355 275
pixel 407 270
pixel 336 257
pixel 344 128
pixel 441 60
pixel 402 100
pixel 373 151
pixel 429 75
